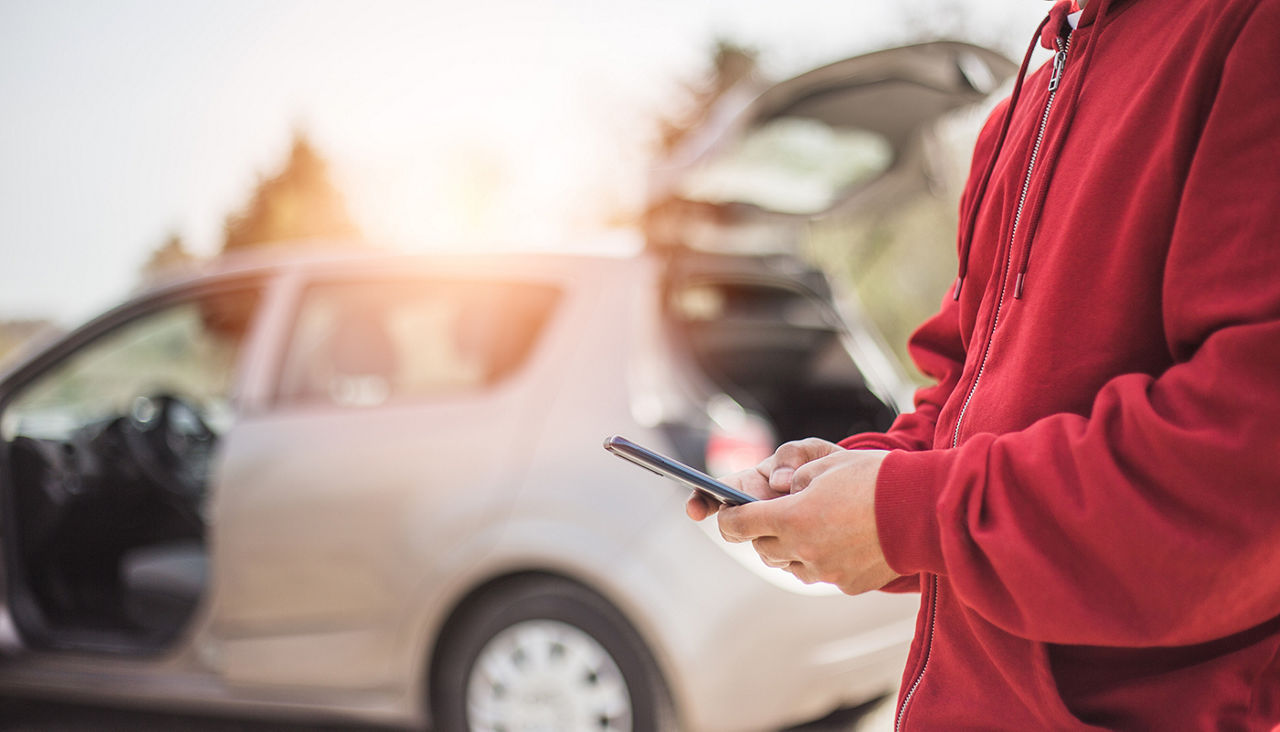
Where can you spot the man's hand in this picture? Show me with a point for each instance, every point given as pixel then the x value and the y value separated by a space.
pixel 825 530
pixel 770 479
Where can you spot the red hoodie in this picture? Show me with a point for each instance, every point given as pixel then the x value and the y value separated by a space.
pixel 1090 495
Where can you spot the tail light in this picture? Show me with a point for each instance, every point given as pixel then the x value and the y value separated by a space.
pixel 739 438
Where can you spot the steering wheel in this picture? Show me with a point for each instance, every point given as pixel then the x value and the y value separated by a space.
pixel 171 444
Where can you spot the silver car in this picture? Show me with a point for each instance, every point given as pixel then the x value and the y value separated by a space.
pixel 371 487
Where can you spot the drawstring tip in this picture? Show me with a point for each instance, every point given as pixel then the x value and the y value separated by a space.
pixel 955 295
pixel 1017 287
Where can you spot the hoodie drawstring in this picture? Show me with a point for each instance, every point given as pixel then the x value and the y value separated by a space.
pixel 966 241
pixel 1024 256
pixel 1046 33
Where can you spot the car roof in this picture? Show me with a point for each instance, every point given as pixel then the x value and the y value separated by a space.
pixel 317 258
pixel 321 257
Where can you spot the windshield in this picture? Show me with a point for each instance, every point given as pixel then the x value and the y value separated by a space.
pixel 790 165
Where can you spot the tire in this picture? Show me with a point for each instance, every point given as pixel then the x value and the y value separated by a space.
pixel 544 653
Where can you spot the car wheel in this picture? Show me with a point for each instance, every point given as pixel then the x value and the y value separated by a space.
pixel 544 653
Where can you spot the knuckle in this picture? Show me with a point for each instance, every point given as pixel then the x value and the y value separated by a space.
pixel 803 551
pixel 731 526
pixel 787 451
pixel 802 479
pixel 816 446
pixel 726 531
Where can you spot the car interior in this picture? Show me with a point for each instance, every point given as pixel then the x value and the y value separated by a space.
pixel 766 332
pixel 108 459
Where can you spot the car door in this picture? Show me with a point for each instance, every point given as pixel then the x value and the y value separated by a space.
pixel 839 139
pixel 806 171
pixel 393 433
pixel 109 439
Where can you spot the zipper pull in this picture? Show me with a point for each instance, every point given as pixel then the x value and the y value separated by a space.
pixel 1059 63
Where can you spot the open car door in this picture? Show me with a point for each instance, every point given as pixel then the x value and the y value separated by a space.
pixel 732 201
pixel 842 138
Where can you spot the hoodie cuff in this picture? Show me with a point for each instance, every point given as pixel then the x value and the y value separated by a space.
pixel 907 491
pixel 867 441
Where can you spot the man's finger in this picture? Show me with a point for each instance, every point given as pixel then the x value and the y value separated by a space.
pixel 753 482
pixel 791 456
pixel 750 521
pixel 771 553
pixel 806 474
pixel 699 506
pixel 865 464
pixel 774 554
pixel 735 528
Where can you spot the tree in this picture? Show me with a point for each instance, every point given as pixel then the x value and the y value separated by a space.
pixel 298 203
pixel 731 64
pixel 170 257
pixel 19 337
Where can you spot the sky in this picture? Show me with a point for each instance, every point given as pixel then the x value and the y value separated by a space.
pixel 445 124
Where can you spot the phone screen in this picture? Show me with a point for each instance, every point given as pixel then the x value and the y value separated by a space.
pixel 678 471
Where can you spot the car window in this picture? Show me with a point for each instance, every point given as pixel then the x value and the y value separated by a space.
pixel 360 344
pixel 187 350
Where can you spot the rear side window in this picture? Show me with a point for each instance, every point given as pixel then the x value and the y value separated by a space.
pixel 364 343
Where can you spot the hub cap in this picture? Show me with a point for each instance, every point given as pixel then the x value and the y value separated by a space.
pixel 546 676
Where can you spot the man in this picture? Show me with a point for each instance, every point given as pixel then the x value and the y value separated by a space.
pixel 1088 498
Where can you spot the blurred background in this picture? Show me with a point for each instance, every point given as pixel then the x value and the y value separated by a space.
pixel 140 134
pixel 144 137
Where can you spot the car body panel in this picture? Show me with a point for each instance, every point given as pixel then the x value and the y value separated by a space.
pixel 348 467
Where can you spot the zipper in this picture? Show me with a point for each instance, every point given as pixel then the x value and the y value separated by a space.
pixel 1055 79
pixel 1059 63
pixel 928 646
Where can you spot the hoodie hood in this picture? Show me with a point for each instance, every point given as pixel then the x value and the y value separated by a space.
pixel 1053 33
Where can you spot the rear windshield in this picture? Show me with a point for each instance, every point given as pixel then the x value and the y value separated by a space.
pixel 790 165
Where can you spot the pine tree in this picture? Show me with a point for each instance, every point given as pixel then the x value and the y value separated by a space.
pixel 731 64
pixel 298 203
pixel 170 257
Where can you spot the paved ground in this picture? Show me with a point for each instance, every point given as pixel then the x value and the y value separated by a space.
pixel 34 716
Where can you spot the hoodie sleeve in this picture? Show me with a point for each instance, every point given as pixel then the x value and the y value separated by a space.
pixel 1155 520
pixel 937 349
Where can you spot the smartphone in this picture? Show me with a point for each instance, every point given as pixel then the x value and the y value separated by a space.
pixel 678 471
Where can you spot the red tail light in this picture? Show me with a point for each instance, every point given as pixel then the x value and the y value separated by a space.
pixel 739 439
